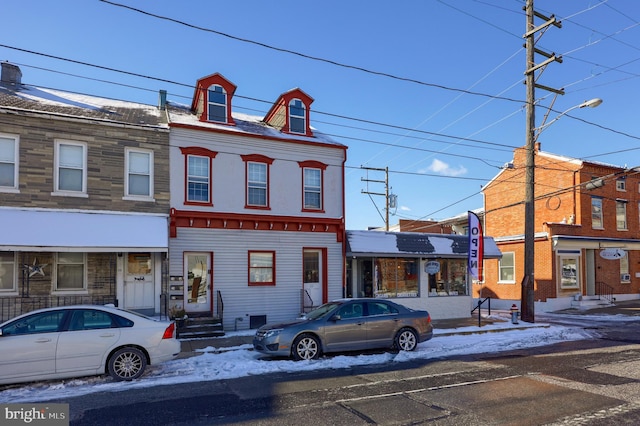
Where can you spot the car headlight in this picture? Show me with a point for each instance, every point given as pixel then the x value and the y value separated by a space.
pixel 272 333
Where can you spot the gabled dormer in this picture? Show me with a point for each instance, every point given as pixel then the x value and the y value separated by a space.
pixel 290 113
pixel 212 99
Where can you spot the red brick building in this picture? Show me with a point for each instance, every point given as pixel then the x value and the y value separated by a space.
pixel 587 230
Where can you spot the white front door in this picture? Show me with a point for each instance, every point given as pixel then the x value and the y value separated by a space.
pixel 312 277
pixel 197 292
pixel 138 283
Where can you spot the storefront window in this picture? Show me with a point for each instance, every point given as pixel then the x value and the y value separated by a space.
pixel 450 280
pixel 395 277
pixel 568 272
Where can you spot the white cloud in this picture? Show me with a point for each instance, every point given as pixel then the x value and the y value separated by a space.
pixel 440 167
pixel 405 209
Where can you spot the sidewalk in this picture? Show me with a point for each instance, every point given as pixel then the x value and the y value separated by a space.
pixel 498 321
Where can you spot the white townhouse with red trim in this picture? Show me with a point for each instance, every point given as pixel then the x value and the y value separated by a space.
pixel 257 209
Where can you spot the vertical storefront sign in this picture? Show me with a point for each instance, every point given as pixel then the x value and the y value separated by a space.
pixel 476 247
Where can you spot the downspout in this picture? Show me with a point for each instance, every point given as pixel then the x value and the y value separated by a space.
pixel 344 226
pixel 575 195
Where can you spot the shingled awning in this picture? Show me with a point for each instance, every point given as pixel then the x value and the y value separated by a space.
pixel 413 244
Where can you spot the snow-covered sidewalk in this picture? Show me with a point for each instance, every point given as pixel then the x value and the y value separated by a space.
pixel 240 361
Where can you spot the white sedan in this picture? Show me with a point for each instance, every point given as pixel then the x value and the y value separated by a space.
pixel 83 340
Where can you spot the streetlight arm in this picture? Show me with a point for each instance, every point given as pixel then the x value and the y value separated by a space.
pixel 592 103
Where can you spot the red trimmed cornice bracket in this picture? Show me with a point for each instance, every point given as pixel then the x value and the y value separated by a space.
pixel 199 219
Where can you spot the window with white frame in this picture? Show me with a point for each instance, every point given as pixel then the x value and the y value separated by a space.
pixel 70 271
pixel 596 213
pixel 312 188
pixel 621 184
pixel 198 179
pixel 257 184
pixel 217 104
pixel 625 277
pixel 262 268
pixel 297 117
pixel 70 167
pixel 507 268
pixel 139 176
pixel 8 162
pixel 621 215
pixel 7 271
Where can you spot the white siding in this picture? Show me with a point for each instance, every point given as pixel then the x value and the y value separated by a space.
pixel 285 185
pixel 280 302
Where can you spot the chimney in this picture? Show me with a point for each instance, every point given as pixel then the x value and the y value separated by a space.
pixel 162 99
pixel 11 74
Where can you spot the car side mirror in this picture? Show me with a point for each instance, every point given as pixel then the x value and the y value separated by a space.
pixel 336 317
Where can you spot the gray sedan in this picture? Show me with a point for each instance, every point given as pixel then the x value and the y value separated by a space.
pixel 346 325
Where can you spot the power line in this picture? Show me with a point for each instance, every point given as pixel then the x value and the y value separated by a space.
pixel 315 58
pixel 339 116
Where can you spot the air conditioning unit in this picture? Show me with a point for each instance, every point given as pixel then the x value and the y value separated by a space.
pixel 625 277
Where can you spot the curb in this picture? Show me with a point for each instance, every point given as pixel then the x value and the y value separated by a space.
pixel 494 330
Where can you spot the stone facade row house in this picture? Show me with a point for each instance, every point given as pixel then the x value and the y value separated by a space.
pixel 84 199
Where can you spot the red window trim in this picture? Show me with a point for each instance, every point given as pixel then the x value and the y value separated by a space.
pixel 256 158
pixel 201 97
pixel 312 164
pixel 197 151
pixel 273 269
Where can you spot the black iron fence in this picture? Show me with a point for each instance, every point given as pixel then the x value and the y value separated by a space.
pixel 13 306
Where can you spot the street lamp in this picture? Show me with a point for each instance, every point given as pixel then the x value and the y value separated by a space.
pixel 527 296
pixel 591 103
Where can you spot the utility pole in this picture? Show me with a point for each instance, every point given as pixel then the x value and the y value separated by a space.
pixel 386 190
pixel 528 282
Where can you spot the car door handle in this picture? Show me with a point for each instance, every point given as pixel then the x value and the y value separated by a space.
pixel 107 335
pixel 43 340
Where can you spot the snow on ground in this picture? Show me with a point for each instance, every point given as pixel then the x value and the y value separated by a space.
pixel 227 363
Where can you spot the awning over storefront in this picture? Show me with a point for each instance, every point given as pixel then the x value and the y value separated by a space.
pixel 594 243
pixel 67 231
pixel 410 244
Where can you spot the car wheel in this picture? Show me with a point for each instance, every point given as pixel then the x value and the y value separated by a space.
pixel 406 340
pixel 127 364
pixel 306 346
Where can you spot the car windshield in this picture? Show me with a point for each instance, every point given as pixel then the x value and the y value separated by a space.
pixel 322 310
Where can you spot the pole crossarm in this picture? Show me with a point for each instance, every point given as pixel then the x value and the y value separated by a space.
pixel 546 62
pixel 386 190
pixel 549 21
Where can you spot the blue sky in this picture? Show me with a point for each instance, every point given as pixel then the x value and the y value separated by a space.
pixel 431 89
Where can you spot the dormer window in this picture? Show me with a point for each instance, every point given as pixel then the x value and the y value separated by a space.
pixel 297 117
pixel 217 104
pixel 212 99
pixel 291 112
